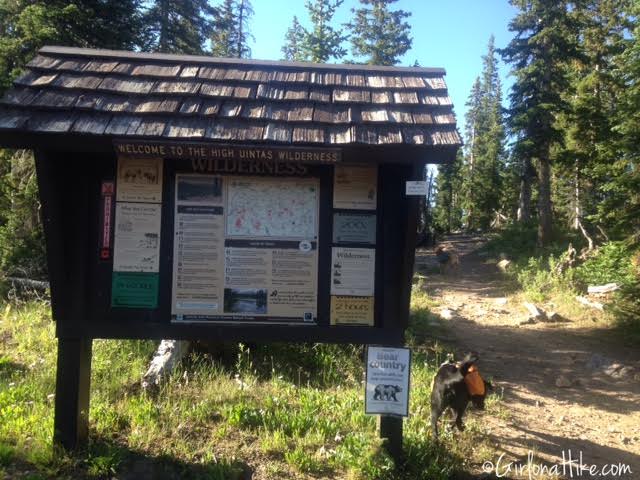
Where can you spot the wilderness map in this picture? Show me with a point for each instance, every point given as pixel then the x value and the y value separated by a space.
pixel 260 207
pixel 245 249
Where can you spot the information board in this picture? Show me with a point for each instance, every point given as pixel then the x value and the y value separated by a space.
pixel 245 249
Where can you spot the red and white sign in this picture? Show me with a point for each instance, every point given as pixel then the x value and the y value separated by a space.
pixel 106 203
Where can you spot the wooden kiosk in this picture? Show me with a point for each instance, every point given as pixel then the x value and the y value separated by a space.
pixel 223 199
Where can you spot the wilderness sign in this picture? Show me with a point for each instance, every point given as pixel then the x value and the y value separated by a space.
pixel 217 153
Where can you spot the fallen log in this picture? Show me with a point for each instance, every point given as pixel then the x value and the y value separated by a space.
pixel 27 282
pixel 609 287
pixel 166 358
pixel 536 313
pixel 588 303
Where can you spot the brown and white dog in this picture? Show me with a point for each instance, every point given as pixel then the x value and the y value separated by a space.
pixel 448 259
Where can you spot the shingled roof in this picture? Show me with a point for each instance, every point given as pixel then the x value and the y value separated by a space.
pixel 157 96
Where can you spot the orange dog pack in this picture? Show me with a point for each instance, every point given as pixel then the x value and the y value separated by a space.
pixel 475 383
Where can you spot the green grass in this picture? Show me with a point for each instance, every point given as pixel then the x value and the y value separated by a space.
pixel 289 411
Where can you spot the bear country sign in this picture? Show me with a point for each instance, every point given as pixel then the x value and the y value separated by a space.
pixel 387 386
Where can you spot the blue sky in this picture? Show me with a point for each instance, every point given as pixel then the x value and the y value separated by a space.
pixel 451 34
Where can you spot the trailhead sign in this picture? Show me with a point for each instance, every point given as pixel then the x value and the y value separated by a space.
pixel 199 198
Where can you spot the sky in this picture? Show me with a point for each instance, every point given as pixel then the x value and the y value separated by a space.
pixel 450 34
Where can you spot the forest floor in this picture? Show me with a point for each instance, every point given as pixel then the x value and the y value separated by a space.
pixel 593 414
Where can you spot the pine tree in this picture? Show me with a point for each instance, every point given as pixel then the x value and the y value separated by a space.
pixel 623 184
pixel 378 34
pixel 231 35
pixel 323 43
pixel 510 190
pixel 597 156
pixel 22 249
pixel 447 212
pixel 26 26
pixel 292 48
pixel 244 12
pixel 179 26
pixel 222 41
pixel 112 24
pixel 545 41
pixel 484 160
pixel 472 119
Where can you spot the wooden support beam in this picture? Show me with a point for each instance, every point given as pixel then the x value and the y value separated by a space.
pixel 73 379
pixel 390 429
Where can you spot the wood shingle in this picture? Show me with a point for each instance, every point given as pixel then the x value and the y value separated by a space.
pixel 156 70
pixel 116 84
pixel 96 66
pixel 158 104
pixel 91 124
pixel 154 95
pixel 49 122
pixel 123 125
pixel 276 132
pixel 190 106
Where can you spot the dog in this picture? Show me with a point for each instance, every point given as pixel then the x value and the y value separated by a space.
pixel 448 259
pixel 454 386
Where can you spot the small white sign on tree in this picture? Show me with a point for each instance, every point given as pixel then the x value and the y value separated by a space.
pixel 417 187
pixel 387 387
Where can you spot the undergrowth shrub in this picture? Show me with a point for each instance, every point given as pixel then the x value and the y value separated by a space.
pixel 627 308
pixel 515 241
pixel 22 252
pixel 543 273
pixel 542 276
pixel 611 263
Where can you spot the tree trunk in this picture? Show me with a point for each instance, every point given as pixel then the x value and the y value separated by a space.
pixel 544 199
pixel 164 27
pixel 426 202
pixel 450 207
pixel 472 161
pixel 240 27
pixel 524 200
pixel 422 219
pixel 577 198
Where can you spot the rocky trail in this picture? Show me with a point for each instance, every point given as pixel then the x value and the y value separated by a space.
pixel 566 386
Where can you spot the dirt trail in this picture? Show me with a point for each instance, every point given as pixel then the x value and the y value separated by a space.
pixel 597 415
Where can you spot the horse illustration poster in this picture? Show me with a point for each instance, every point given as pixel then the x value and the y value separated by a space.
pixel 139 180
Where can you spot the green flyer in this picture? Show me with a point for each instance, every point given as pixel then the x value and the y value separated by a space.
pixel 134 290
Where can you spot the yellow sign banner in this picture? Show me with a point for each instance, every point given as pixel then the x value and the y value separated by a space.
pixel 351 310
